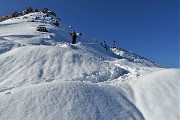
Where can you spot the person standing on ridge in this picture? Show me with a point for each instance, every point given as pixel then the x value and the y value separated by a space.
pixel 74 36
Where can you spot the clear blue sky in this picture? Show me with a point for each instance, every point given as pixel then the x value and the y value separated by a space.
pixel 149 28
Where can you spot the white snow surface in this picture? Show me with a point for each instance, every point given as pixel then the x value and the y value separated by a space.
pixel 45 77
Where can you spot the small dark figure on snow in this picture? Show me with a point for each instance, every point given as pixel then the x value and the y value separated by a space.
pixel 74 36
pixel 105 45
pixel 114 46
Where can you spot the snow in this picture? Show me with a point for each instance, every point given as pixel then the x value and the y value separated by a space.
pixel 48 63
pixel 67 101
pixel 43 76
pixel 156 94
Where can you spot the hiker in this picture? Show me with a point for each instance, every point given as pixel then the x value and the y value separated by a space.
pixel 114 46
pixel 74 36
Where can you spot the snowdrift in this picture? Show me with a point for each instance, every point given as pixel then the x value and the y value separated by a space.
pixel 156 94
pixel 67 101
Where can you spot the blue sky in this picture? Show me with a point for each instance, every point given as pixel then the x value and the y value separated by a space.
pixel 149 28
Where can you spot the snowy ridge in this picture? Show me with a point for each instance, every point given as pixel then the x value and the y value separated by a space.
pixel 133 57
pixel 43 76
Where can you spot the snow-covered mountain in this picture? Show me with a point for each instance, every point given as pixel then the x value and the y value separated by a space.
pixel 45 77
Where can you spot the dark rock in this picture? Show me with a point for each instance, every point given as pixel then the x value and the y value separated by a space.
pixel 41 28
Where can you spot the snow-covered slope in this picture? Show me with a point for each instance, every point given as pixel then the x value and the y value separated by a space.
pixel 43 76
pixel 67 101
pixel 155 94
pixel 36 64
pixel 134 57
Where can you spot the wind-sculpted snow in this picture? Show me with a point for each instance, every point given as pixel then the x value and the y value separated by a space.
pixel 156 94
pixel 67 101
pixel 36 64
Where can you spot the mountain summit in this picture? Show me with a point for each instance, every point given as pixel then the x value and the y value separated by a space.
pixel 45 75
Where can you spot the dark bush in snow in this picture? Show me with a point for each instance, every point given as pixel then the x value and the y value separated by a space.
pixel 9 16
pixel 36 10
pixel 3 18
pixel 15 14
pixel 58 19
pixel 27 10
pixel 45 10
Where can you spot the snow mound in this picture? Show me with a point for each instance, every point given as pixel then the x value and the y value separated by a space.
pixel 156 94
pixel 67 101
